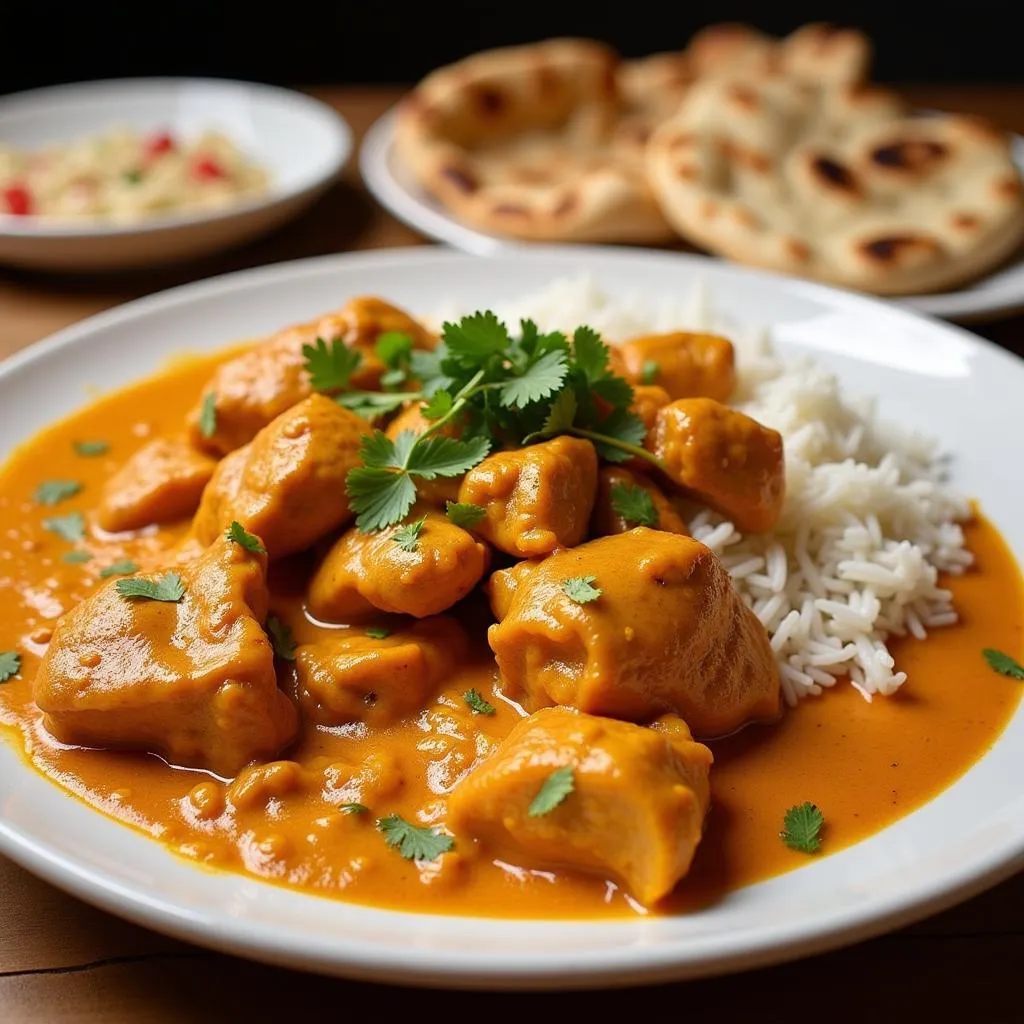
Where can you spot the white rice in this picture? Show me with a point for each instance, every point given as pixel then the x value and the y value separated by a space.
pixel 867 524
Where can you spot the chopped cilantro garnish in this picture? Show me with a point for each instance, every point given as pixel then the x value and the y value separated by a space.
pixel 464 513
pixel 70 527
pixel 77 557
pixel 477 704
pixel 634 504
pixel 409 535
pixel 237 532
pixel 1003 663
pixel 581 589
pixel 208 415
pixel 53 492
pixel 170 588
pixel 10 665
pixel 330 366
pixel 281 638
pixel 649 372
pixel 124 568
pixel 557 786
pixel 378 632
pixel 412 841
pixel 353 808
pixel 801 828
pixel 90 449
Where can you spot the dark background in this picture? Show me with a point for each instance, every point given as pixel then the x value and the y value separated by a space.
pixel 315 42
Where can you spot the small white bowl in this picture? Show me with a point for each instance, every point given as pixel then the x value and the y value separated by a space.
pixel 302 143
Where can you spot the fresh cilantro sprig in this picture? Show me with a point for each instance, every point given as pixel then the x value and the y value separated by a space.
pixel 556 787
pixel 330 366
pixel 124 568
pixel 281 638
pixel 70 527
pixel 408 537
pixel 53 492
pixel 581 589
pixel 500 388
pixel 478 704
pixel 465 513
pixel 1003 663
pixel 10 665
pixel 170 588
pixel 238 534
pixel 208 415
pixel 801 828
pixel 353 808
pixel 378 632
pixel 91 449
pixel 634 504
pixel 414 842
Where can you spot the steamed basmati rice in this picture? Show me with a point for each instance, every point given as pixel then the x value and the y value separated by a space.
pixel 867 525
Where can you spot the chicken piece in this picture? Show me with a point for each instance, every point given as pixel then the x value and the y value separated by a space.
pixel 616 484
pixel 162 482
pixel 537 498
pixel 268 379
pixel 364 573
pixel 648 401
pixel 354 678
pixel 502 586
pixel 688 365
pixel 635 813
pixel 442 489
pixel 723 459
pixel 288 485
pixel 192 681
pixel 668 633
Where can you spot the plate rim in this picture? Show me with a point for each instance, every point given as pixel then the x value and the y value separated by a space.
pixel 331 122
pixel 375 153
pixel 420 966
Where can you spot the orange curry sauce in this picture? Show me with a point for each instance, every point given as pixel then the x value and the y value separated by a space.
pixel 864 764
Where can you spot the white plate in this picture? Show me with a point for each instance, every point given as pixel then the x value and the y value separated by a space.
pixel 999 294
pixel 303 144
pixel 969 837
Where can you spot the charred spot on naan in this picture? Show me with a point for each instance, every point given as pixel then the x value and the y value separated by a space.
pixel 900 250
pixel 910 156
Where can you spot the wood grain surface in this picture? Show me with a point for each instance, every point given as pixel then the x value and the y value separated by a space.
pixel 61 960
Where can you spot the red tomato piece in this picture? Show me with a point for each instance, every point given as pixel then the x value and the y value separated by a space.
pixel 207 169
pixel 158 143
pixel 17 199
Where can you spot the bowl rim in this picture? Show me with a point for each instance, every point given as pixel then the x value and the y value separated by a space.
pixel 325 118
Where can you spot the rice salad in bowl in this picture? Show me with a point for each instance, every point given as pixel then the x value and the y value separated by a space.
pixel 123 175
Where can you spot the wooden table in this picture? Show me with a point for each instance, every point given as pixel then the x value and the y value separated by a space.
pixel 62 960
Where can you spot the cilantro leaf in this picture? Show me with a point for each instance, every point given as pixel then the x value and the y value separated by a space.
pixel 557 786
pixel 801 828
pixel 581 589
pixel 353 808
pixel 634 504
pixel 440 404
pixel 562 414
pixel 237 532
pixel 649 372
pixel 475 337
pixel 409 535
pixel 330 367
pixel 124 568
pixel 378 450
pixel 477 704
pixel 90 449
pixel 392 378
pixel 1003 663
pixel 446 456
pixel 379 496
pixel 170 588
pixel 208 415
pixel 623 426
pixel 412 841
pixel 378 632
pixel 394 348
pixel 281 638
pixel 372 404
pixel 590 353
pixel 53 492
pixel 464 513
pixel 76 557
pixel 10 665
pixel 70 527
pixel 540 379
pixel 616 391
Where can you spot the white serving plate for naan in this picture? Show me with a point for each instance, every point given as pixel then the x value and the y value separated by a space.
pixel 928 376
pixel 999 293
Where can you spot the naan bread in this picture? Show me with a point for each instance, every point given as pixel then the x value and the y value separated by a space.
pixel 531 142
pixel 835 182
